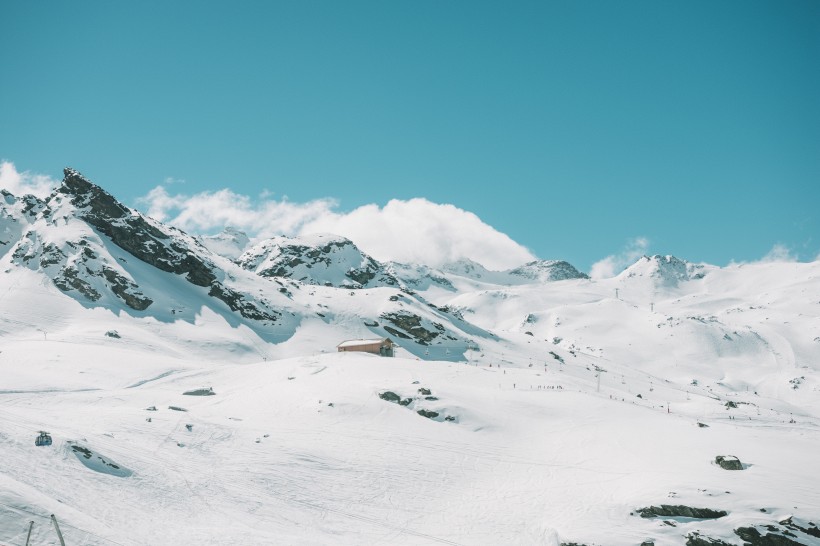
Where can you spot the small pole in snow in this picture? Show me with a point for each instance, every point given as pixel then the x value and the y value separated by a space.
pixel 616 294
pixel 652 307
pixel 28 537
pixel 57 528
pixel 598 375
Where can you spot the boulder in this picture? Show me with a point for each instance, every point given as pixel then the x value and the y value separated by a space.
pixel 753 537
pixel 729 462
pixel 696 539
pixel 390 396
pixel 679 510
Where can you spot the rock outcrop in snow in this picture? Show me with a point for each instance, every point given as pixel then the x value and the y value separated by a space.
pixel 322 259
pixel 548 271
pixel 86 242
pixel 664 270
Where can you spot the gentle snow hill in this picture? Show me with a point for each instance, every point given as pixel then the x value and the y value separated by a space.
pixel 304 451
pixel 534 408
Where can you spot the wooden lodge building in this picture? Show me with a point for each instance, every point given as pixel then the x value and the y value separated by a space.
pixel 381 347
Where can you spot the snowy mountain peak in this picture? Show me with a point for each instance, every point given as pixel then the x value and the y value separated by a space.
pixel 323 259
pixel 665 270
pixel 231 243
pixel 548 270
pixel 467 268
pixel 84 193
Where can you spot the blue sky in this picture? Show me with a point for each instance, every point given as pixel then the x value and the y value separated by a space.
pixel 573 127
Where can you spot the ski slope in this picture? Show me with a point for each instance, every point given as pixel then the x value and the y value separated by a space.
pixel 533 406
pixel 302 450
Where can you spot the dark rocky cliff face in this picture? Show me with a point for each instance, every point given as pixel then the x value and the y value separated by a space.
pixel 132 232
pixel 324 260
pixel 84 266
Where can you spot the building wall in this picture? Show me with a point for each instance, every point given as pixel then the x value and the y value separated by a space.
pixel 372 348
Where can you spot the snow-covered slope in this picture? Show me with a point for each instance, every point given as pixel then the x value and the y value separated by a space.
pixel 530 406
pixel 323 259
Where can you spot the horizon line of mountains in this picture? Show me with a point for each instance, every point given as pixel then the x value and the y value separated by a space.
pixel 305 258
pixel 102 253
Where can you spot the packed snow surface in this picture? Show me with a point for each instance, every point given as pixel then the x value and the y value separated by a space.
pixel 303 450
pixel 533 406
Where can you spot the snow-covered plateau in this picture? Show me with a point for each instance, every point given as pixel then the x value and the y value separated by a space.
pixel 194 393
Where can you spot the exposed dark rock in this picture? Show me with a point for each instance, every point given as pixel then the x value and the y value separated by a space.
pixel 696 539
pixel 753 537
pixel 314 260
pixel 424 391
pixel 51 255
pixel 200 392
pixel 730 404
pixel 811 529
pixel 113 333
pixel 176 408
pixel 729 462
pixel 96 462
pixel 132 232
pixel 411 324
pixel 397 333
pixel 126 290
pixel 428 414
pixel 679 510
pixel 702 425
pixel 390 396
pixel 84 451
pixel 68 279
pixel 236 302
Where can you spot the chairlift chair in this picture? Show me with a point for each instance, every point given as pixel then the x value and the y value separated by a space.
pixel 44 439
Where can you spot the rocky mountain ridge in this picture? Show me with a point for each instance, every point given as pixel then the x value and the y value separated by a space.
pixel 105 254
pixel 83 239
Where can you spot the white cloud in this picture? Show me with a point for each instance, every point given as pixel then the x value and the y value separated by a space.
pixel 615 263
pixel 419 230
pixel 22 183
pixel 779 253
pixel 206 212
pixel 416 230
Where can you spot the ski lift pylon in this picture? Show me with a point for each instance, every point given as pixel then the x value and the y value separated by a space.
pixel 44 439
